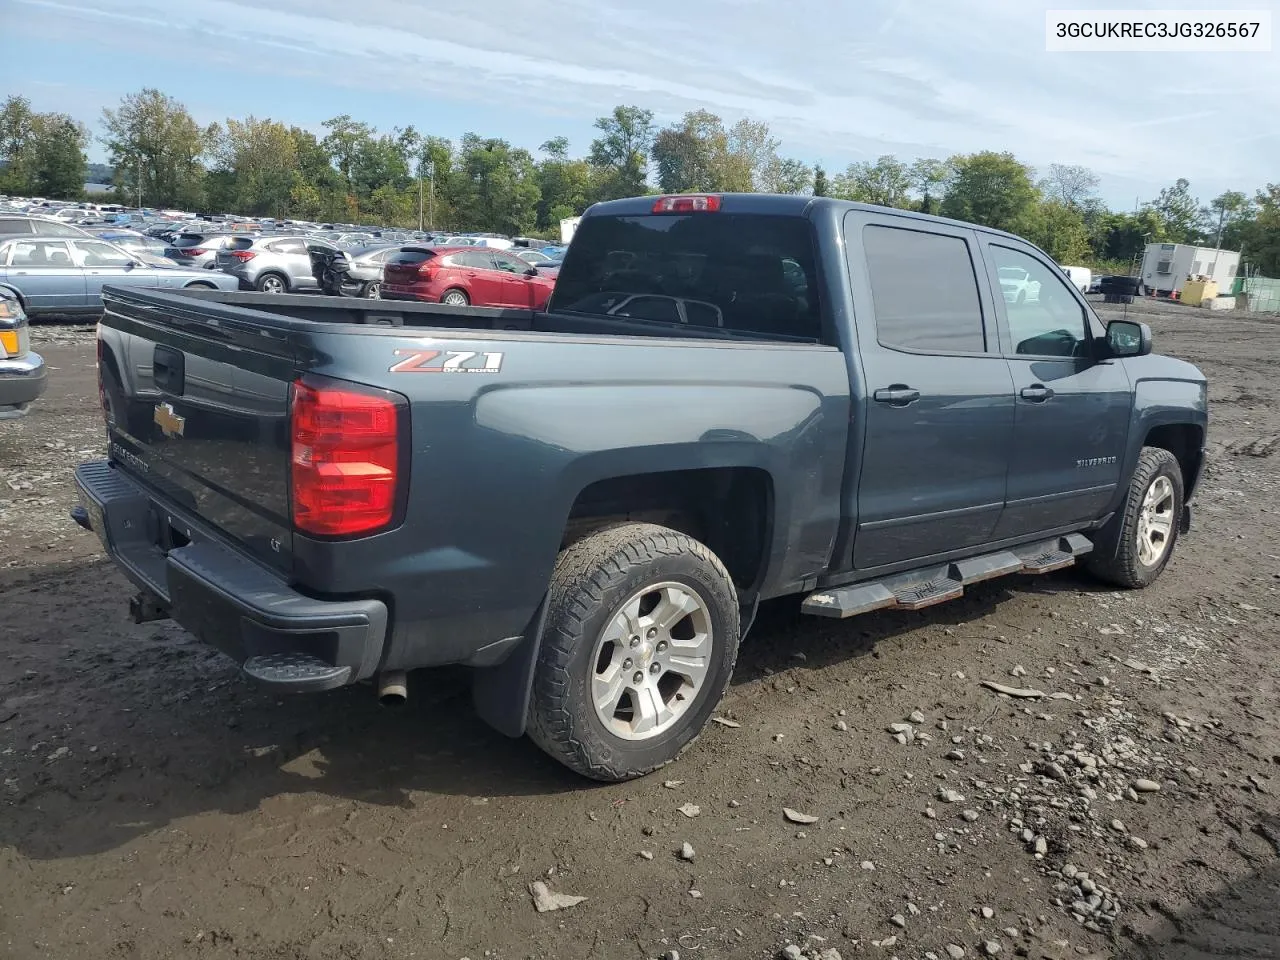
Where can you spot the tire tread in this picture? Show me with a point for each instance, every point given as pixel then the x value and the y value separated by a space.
pixel 580 582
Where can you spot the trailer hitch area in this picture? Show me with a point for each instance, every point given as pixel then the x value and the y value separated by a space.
pixel 146 607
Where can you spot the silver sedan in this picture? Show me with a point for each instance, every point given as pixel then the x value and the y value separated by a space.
pixel 54 275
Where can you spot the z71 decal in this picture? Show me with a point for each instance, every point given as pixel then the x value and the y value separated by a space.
pixel 451 361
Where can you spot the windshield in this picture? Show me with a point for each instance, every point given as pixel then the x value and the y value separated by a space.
pixel 748 273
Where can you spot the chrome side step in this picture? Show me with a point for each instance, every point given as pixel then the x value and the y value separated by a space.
pixel 917 589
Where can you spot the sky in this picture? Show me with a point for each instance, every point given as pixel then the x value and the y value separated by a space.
pixel 837 80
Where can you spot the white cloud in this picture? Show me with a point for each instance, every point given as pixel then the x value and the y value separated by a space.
pixel 834 80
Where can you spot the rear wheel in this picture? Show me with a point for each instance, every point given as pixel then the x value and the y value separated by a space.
pixel 455 298
pixel 639 645
pixel 1134 548
pixel 201 285
pixel 373 291
pixel 271 283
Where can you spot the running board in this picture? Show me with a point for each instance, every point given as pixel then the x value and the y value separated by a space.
pixel 917 589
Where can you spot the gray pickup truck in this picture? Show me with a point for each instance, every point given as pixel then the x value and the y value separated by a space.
pixel 728 398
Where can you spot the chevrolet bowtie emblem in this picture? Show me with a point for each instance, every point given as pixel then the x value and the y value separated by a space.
pixel 170 424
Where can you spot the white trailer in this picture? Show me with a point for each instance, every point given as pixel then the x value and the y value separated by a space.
pixel 567 226
pixel 1167 266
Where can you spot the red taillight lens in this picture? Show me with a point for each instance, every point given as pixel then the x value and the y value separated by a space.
pixel 244 256
pixel 345 467
pixel 426 268
pixel 701 203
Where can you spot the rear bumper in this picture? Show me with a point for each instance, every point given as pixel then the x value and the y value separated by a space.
pixel 23 380
pixel 284 639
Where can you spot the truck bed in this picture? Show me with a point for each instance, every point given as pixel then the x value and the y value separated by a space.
pixel 393 313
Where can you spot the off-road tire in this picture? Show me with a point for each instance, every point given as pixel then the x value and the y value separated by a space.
pixel 591 579
pixel 1115 556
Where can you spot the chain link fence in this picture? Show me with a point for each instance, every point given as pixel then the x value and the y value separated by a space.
pixel 1257 294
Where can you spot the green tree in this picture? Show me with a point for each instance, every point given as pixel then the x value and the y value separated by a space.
pixel 564 184
pixel 495 187
pixel 1058 228
pixel 622 150
pixel 58 159
pixel 989 188
pixel 153 137
pixel 43 153
pixel 929 179
pixel 261 156
pixel 1223 217
pixel 17 123
pixel 684 153
pixel 1179 213
pixel 821 188
pixel 1261 234
pixel 1070 184
pixel 886 182
pixel 785 175
pixel 343 143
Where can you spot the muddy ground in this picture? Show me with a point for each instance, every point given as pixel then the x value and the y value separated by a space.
pixel 154 804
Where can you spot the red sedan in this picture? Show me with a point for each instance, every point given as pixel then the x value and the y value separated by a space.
pixel 462 276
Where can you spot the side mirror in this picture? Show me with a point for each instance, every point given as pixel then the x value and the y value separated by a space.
pixel 531 272
pixel 1127 338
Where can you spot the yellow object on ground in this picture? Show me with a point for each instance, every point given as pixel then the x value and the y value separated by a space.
pixel 1196 292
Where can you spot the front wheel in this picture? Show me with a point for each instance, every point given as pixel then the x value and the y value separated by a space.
pixel 640 641
pixel 373 291
pixel 1134 548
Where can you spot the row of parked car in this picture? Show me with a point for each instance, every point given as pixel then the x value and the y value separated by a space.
pixel 59 267
pixel 54 265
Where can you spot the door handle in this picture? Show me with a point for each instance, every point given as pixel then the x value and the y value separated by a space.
pixel 1036 393
pixel 898 395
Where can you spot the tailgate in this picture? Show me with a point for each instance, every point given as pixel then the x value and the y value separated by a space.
pixel 198 411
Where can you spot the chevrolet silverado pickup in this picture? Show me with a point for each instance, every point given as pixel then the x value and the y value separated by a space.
pixel 728 398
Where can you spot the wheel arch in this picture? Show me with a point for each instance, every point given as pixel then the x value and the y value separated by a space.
pixel 1186 442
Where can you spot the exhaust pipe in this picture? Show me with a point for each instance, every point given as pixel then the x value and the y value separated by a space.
pixel 393 688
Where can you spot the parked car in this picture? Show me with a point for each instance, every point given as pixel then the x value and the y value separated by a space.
pixel 271 264
pixel 56 276
pixel 197 249
pixel 1081 277
pixel 869 442
pixel 533 257
pixel 349 273
pixel 147 250
pixel 464 276
pixel 23 377
pixel 1017 285
pixel 11 225
pixel 1096 282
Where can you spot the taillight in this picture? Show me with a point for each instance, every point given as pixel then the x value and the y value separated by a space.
pixel 244 256
pixel 192 251
pixel 102 390
pixel 345 464
pixel 699 203
pixel 426 268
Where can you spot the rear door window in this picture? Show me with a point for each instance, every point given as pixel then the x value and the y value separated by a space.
pixel 925 291
pixel 749 273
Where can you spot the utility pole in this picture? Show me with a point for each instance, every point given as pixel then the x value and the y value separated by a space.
pixel 419 194
pixel 139 175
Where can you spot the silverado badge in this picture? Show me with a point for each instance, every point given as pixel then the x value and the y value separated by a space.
pixel 170 424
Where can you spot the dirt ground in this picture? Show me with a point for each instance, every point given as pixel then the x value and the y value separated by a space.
pixel 154 804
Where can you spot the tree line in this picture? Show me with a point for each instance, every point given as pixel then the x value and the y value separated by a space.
pixel 352 172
